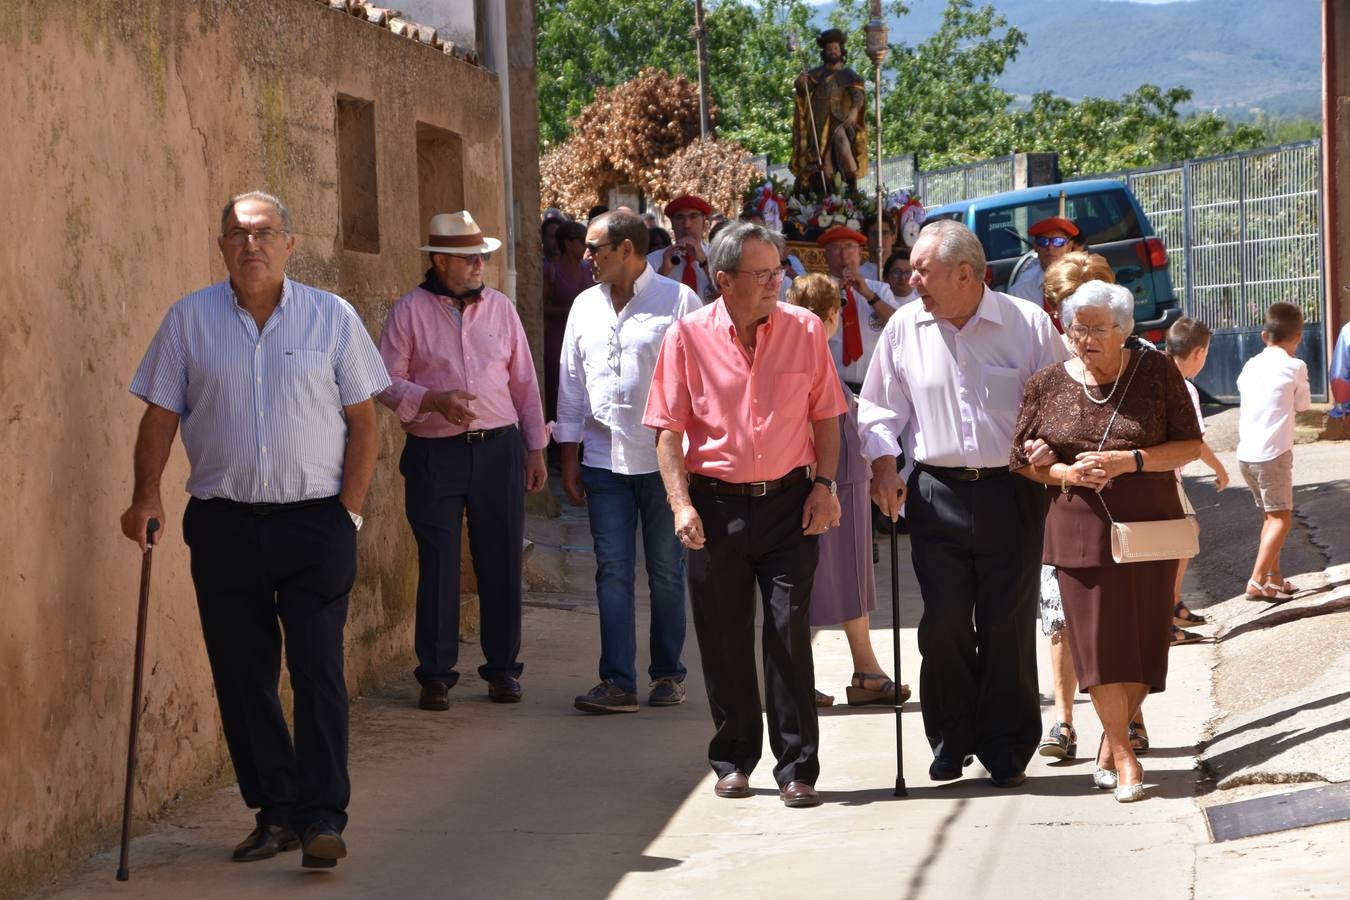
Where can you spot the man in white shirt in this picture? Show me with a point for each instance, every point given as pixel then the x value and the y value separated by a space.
pixel 867 305
pixel 1051 238
pixel 686 260
pixel 945 385
pixel 872 268
pixel 609 350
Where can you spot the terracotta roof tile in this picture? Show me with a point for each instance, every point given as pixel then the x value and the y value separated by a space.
pixel 392 20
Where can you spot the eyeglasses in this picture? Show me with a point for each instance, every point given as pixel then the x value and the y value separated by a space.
pixel 1100 333
pixel 764 277
pixel 471 258
pixel 263 237
pixel 594 249
pixel 1042 241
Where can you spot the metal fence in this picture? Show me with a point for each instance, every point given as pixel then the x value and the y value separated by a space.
pixel 962 182
pixel 897 172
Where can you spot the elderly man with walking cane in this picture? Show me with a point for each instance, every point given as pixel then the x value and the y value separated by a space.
pixel 271 381
pixel 945 385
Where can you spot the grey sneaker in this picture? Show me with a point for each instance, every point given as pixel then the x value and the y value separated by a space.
pixel 607 697
pixel 666 692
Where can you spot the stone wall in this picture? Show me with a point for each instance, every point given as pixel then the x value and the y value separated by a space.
pixel 129 125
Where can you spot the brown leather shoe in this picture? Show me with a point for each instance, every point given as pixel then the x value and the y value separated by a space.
pixel 799 795
pixel 734 786
pixel 435 696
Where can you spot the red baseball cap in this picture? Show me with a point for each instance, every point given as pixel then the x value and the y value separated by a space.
pixel 840 233
pixel 689 202
pixel 1054 223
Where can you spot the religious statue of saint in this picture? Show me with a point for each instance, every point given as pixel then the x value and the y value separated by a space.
pixel 829 125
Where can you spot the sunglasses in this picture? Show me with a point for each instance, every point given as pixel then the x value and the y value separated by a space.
pixel 594 249
pixel 1043 242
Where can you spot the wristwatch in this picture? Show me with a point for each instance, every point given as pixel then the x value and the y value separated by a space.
pixel 829 484
pixel 356 519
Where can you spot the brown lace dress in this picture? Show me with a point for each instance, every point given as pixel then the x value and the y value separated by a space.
pixel 1118 617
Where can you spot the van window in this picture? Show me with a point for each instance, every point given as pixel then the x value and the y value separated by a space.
pixel 1103 216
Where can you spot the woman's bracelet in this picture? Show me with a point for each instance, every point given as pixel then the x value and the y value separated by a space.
pixel 1064 479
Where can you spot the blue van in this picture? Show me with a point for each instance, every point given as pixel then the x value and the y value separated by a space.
pixel 1112 222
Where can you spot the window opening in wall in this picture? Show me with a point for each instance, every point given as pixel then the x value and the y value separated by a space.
pixel 358 187
pixel 440 173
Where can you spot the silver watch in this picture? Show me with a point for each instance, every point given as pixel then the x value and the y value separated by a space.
pixel 830 485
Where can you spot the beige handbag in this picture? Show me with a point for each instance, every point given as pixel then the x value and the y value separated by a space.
pixel 1150 540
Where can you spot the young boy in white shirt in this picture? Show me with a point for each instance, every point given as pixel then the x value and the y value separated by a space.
pixel 1272 387
pixel 1188 348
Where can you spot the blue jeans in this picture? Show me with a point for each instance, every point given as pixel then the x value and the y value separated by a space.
pixel 616 503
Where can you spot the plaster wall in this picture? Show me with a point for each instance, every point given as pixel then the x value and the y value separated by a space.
pixel 128 125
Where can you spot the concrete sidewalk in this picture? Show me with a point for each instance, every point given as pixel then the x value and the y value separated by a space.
pixel 538 800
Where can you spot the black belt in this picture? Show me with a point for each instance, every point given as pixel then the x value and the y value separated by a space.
pixel 962 473
pixel 268 509
pixel 471 437
pixel 854 386
pixel 748 488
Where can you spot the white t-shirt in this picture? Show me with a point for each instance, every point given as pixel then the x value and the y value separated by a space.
pixel 1272 387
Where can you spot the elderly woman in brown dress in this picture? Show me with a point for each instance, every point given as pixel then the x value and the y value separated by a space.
pixel 1121 421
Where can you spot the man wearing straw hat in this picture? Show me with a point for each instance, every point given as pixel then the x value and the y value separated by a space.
pixel 464 388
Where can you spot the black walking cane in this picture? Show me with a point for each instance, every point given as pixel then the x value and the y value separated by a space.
pixel 123 873
pixel 895 647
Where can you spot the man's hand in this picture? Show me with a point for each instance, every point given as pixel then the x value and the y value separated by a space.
pixel 136 517
pixel 536 472
pixel 571 475
pixel 690 248
pixel 667 260
pixel 453 405
pixel 821 511
pixel 888 490
pixel 689 527
pixel 1039 453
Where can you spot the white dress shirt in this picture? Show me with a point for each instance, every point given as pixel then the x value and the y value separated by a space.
pixel 869 323
pixel 950 397
pixel 705 289
pixel 605 371
pixel 1030 283
pixel 1272 387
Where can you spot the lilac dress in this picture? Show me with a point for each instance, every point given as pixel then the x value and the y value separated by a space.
pixel 845 585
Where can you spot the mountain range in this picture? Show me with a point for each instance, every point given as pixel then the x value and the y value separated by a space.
pixel 1237 56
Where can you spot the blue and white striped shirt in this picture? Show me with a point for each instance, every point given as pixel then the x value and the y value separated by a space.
pixel 261 414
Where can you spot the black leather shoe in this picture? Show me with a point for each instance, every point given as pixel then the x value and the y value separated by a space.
pixel 435 695
pixel 323 847
pixel 1008 779
pixel 265 842
pixel 946 770
pixel 504 690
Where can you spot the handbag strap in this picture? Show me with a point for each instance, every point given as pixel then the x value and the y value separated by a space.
pixel 1111 422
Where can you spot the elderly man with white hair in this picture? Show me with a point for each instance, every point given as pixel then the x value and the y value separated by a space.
pixel 944 384
pixel 1111 414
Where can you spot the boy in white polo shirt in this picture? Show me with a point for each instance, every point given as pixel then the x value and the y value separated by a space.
pixel 1272 387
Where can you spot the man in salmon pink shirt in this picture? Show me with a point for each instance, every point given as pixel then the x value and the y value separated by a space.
pixel 465 390
pixel 750 384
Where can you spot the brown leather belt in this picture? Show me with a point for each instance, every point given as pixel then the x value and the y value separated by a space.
pixel 962 473
pixel 747 488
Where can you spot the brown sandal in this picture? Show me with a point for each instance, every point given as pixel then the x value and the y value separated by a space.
pixel 1182 617
pixel 865 696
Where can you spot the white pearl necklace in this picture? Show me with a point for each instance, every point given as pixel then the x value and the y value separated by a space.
pixel 1082 379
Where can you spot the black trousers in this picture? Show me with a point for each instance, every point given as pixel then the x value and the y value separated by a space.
pixel 443 478
pixel 294 564
pixel 977 553
pixel 757 541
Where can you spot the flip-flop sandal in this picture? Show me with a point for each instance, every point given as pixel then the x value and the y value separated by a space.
pixel 884 696
pixel 1182 636
pixel 823 700
pixel 1285 586
pixel 1181 616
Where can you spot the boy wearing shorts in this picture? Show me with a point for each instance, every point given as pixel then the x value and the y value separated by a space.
pixel 1273 386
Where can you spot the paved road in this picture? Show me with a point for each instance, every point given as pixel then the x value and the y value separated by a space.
pixel 540 801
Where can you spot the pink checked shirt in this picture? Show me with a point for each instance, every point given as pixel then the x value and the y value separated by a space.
pixel 746 420
pixel 426 348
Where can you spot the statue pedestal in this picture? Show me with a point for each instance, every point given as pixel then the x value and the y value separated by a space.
pixel 812 255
